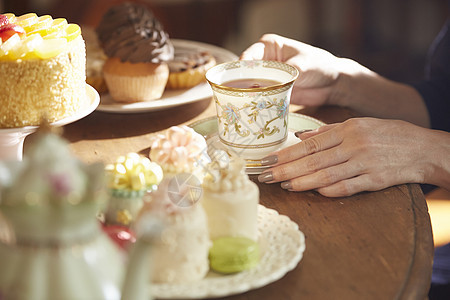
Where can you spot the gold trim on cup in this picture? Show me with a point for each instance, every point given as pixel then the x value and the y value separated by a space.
pixel 259 146
pixel 266 64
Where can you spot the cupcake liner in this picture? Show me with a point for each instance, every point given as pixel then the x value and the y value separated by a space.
pixel 133 82
pixel 135 88
pixel 123 206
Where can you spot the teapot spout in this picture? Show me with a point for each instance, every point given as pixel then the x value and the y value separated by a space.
pixel 137 280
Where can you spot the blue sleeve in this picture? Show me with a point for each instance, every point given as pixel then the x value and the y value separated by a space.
pixel 435 89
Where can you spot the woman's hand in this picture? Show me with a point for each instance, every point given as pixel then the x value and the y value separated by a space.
pixel 319 69
pixel 362 154
pixel 327 79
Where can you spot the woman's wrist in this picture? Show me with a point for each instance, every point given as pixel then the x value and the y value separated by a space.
pixel 351 86
pixel 370 94
pixel 438 154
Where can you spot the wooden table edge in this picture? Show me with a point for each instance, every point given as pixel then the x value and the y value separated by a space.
pixel 417 283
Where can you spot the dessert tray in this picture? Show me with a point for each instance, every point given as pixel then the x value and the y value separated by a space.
pixel 12 139
pixel 171 98
pixel 282 245
pixel 208 128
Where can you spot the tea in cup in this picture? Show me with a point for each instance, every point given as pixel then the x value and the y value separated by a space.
pixel 252 103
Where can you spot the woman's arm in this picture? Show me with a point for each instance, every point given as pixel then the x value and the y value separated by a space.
pixel 327 79
pixel 373 95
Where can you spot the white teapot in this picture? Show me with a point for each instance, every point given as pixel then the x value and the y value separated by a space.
pixel 56 248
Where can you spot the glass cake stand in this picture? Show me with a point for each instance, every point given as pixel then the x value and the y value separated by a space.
pixel 12 139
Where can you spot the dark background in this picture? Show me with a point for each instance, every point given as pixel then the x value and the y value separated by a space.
pixel 389 36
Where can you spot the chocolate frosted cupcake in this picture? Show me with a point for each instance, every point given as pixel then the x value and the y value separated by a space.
pixel 188 68
pixel 138 49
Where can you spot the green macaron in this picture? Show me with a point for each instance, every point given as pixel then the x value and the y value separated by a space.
pixel 233 254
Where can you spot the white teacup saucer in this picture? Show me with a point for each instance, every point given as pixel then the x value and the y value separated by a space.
pixel 208 128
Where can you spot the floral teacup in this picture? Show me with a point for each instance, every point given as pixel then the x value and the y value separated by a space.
pixel 252 120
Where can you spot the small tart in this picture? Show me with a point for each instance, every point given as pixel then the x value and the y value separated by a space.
pixel 188 68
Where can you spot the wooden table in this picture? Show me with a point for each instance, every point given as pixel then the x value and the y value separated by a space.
pixel 374 245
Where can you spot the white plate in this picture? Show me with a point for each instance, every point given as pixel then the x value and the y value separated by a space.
pixel 171 98
pixel 208 128
pixel 282 245
pixel 11 139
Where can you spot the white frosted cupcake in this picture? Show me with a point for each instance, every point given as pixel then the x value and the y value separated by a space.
pixel 230 200
pixel 181 254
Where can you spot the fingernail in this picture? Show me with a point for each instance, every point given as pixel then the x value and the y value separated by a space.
pixel 269 160
pixel 265 177
pixel 287 185
pixel 298 133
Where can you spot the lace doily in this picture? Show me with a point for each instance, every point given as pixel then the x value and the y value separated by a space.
pixel 282 246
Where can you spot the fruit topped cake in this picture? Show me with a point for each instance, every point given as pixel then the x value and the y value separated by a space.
pixel 42 69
